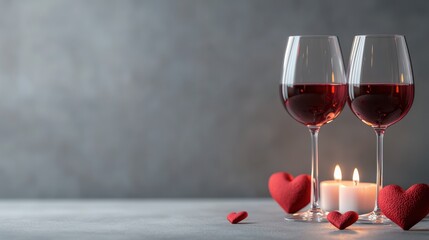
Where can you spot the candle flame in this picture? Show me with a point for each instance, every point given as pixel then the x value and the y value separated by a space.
pixel 337 173
pixel 355 177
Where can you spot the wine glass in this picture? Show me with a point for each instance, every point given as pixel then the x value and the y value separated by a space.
pixel 381 92
pixel 314 91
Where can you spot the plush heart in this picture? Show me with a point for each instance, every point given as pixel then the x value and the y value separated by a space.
pixel 291 194
pixel 405 208
pixel 237 217
pixel 341 221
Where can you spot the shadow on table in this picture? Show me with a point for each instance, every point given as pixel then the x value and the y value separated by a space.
pixel 419 230
pixel 344 232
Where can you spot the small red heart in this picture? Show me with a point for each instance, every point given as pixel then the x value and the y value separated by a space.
pixel 405 208
pixel 234 217
pixel 291 194
pixel 341 221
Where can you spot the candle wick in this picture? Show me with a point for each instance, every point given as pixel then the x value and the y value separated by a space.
pixel 355 182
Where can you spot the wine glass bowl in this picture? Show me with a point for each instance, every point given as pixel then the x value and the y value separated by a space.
pixel 313 91
pixel 380 79
pixel 381 92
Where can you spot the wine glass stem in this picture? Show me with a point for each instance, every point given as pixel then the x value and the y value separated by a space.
pixel 379 181
pixel 314 132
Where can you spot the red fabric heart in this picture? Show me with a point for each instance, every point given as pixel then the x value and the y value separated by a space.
pixel 341 221
pixel 405 208
pixel 291 194
pixel 234 217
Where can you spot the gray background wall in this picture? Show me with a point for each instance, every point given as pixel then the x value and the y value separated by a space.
pixel 180 98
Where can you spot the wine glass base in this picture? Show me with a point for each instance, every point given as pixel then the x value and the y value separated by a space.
pixel 310 216
pixel 374 218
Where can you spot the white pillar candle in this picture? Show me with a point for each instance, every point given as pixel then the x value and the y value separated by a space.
pixel 329 195
pixel 358 197
pixel 329 191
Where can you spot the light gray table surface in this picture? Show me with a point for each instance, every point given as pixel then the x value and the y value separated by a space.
pixel 172 219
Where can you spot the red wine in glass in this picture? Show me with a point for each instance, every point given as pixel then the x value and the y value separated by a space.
pixel 313 104
pixel 381 105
